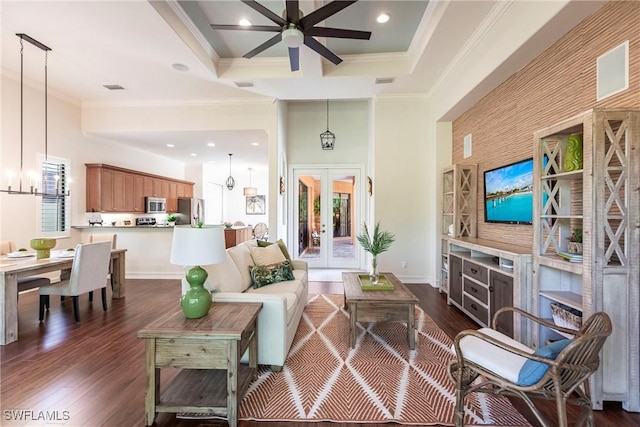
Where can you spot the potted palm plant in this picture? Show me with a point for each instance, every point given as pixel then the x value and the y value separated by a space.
pixel 378 243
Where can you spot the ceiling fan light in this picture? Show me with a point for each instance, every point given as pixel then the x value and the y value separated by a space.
pixel 292 37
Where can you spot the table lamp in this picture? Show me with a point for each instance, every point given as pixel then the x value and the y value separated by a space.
pixel 194 246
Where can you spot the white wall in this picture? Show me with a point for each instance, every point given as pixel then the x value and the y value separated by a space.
pixel 65 139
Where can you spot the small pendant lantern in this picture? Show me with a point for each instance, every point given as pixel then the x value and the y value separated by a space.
pixel 230 181
pixel 327 138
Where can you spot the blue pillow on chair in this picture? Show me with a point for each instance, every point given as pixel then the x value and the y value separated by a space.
pixel 532 371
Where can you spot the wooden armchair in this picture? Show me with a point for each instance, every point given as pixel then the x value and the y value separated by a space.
pixel 559 371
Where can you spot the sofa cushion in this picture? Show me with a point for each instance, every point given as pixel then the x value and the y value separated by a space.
pixel 263 275
pixel 497 360
pixel 533 371
pixel 225 276
pixel 269 255
pixel 292 300
pixel 241 257
pixel 287 287
pixel 280 244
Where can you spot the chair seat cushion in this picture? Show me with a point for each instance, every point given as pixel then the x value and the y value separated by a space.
pixel 495 359
pixel 532 371
pixel 26 283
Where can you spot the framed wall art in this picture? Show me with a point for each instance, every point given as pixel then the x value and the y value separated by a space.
pixel 256 205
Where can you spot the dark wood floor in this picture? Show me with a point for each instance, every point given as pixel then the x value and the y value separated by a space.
pixel 92 373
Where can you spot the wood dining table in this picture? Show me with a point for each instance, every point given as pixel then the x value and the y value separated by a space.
pixel 11 269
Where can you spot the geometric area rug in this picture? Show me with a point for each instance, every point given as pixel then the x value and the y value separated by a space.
pixel 378 381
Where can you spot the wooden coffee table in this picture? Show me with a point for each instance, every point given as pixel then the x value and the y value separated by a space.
pixel 208 350
pixel 378 306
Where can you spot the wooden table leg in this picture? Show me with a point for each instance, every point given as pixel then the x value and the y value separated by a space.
pixel 410 327
pixel 353 312
pixel 117 275
pixel 8 308
pixel 232 383
pixel 152 392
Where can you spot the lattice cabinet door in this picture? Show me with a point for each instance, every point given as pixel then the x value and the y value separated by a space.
pixel 466 207
pixel 616 253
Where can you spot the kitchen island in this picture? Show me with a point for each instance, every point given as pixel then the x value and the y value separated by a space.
pixel 148 248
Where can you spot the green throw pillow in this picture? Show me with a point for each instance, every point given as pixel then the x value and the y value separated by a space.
pixel 283 247
pixel 263 275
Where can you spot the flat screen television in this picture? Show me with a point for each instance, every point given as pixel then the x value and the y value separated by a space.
pixel 508 193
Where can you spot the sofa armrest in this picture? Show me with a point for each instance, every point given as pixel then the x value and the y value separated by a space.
pixel 299 265
pixel 272 323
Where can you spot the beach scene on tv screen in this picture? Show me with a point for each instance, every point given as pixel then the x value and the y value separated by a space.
pixel 509 193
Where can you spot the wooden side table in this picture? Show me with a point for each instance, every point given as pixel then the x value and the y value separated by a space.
pixel 208 350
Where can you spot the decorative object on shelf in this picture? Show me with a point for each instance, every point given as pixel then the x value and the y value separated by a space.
pixel 43 247
pixel 33 176
pixel 327 138
pixel 378 243
pixel 256 205
pixel 250 190
pixel 171 219
pixel 565 316
pixel 370 186
pixel 575 242
pixel 193 246
pixel 281 185
pixel 230 181
pixel 228 224
pixel 573 159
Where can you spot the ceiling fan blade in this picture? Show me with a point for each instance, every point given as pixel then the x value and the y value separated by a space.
pixel 264 46
pixel 247 27
pixel 318 47
pixel 324 12
pixel 264 11
pixel 293 13
pixel 294 58
pixel 338 33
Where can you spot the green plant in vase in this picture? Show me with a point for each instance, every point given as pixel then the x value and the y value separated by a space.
pixel 376 244
pixel 575 241
pixel 171 219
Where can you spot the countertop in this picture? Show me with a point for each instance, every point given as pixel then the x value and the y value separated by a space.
pixel 120 227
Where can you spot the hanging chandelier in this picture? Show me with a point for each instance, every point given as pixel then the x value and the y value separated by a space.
pixel 33 176
pixel 327 138
pixel 230 181
pixel 250 191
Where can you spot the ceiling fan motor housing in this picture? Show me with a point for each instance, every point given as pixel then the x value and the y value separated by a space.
pixel 292 37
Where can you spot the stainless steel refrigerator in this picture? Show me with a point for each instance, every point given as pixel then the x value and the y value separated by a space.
pixel 190 211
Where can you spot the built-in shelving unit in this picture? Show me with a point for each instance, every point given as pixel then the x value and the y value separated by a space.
pixel 602 200
pixel 459 211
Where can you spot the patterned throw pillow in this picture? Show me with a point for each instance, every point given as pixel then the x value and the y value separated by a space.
pixel 267 256
pixel 280 243
pixel 262 275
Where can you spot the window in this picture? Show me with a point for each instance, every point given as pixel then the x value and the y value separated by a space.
pixel 54 216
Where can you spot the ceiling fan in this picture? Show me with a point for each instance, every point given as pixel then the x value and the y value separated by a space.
pixel 294 30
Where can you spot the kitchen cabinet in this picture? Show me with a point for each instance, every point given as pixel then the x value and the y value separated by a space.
pixel 113 189
pixel 236 235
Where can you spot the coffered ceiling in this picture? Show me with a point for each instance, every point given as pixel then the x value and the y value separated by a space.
pixel 165 52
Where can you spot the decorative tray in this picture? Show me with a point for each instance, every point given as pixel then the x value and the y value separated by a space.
pixel 383 283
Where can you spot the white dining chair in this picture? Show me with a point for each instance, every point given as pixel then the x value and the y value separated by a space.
pixel 88 273
pixel 24 283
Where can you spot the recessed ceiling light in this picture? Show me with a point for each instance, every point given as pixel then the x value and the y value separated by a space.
pixel 180 67
pixel 193 155
pixel 383 17
pixel 210 144
pixel 170 145
pixel 255 144
pixel 245 22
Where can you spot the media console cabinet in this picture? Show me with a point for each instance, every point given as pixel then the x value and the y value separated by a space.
pixel 485 276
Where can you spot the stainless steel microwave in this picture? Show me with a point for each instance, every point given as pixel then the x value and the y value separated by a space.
pixel 155 205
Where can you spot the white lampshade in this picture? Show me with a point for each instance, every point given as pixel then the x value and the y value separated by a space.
pixel 197 246
pixel 250 191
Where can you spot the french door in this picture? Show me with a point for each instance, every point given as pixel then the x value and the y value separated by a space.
pixel 326 221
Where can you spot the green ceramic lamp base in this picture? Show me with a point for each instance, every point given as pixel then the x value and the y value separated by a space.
pixel 197 300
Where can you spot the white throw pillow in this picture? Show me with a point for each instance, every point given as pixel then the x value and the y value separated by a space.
pixel 268 255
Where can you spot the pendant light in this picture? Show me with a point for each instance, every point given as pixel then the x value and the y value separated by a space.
pixel 230 181
pixel 327 138
pixel 250 191
pixel 33 178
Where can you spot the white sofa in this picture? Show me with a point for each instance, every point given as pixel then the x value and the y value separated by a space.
pixel 282 302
